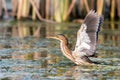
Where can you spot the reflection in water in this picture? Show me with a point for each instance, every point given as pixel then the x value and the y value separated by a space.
pixel 111 33
pixel 26 53
pixel 110 40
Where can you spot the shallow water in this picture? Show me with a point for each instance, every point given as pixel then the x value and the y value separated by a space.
pixel 26 53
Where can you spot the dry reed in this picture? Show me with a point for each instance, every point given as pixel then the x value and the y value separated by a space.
pixel 58 10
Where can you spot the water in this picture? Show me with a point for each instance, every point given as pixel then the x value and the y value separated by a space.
pixel 26 53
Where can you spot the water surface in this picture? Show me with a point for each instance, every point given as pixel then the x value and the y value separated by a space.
pixel 26 53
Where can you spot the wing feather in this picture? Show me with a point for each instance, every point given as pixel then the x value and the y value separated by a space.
pixel 87 34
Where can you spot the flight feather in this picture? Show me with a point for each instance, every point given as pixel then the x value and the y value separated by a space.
pixel 87 34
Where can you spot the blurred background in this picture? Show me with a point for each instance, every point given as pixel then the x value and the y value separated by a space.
pixel 58 10
pixel 26 53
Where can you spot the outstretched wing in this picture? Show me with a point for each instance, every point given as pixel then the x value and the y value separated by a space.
pixel 87 34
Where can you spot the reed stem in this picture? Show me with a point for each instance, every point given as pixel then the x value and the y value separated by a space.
pixel 112 13
pixel 100 6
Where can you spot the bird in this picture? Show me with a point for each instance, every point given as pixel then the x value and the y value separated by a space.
pixel 87 38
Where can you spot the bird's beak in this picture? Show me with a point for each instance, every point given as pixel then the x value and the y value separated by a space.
pixel 52 37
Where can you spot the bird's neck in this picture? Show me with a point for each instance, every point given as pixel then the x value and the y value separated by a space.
pixel 66 50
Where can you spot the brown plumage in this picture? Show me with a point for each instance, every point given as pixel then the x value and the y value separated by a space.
pixel 86 40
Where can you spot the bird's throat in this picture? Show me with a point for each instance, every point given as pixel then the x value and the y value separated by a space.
pixel 66 50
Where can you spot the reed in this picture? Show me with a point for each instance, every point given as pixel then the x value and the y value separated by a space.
pixel 0 8
pixel 5 7
pixel 81 5
pixel 69 9
pixel 47 8
pixel 86 5
pixel 61 10
pixel 92 4
pixel 38 14
pixel 33 10
pixel 118 8
pixel 112 13
pixel 100 6
pixel 58 10
pixel 25 8
pixel 14 7
pixel 64 9
pixel 33 14
pixel 19 12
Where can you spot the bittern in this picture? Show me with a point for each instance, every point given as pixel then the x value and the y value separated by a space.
pixel 87 37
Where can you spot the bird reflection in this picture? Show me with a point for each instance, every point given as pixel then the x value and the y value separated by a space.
pixel 87 37
pixel 81 73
